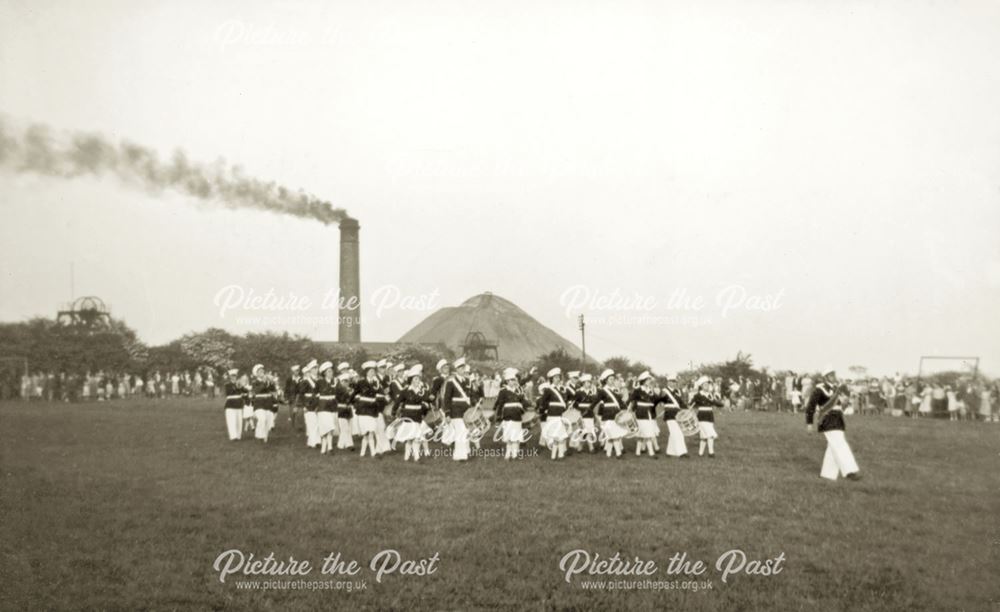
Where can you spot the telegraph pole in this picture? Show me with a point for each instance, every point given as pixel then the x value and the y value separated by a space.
pixel 583 343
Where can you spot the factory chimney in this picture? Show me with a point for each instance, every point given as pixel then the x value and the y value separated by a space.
pixel 350 282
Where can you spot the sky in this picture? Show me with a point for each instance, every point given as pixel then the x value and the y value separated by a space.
pixel 812 183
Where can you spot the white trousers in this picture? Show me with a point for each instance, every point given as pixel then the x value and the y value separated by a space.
pixel 838 460
pixel 460 435
pixel 676 445
pixel 265 421
pixel 381 440
pixel 312 429
pixel 234 422
pixel 344 438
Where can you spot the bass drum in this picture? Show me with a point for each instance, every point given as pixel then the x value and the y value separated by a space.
pixel 687 420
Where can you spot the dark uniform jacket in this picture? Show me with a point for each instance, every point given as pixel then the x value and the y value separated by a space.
pixel 326 394
pixel 610 403
pixel 834 418
pixel 307 394
pixel 456 398
pixel 264 395
pixel 235 395
pixel 705 406
pixel 367 397
pixel 509 405
pixel 552 402
pixel 674 403
pixel 644 404
pixel 344 394
pixel 586 403
pixel 413 405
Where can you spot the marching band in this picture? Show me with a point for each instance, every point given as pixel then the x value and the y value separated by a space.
pixel 390 404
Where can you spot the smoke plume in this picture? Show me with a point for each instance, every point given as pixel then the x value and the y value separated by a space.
pixel 37 150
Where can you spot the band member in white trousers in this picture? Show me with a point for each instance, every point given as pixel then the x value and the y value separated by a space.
pixel 674 400
pixel 310 401
pixel 234 406
pixel 824 406
pixel 456 401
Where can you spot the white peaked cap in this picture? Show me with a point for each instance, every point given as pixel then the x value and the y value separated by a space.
pixel 644 376
pixel 343 366
pixel 701 380
pixel 440 364
pixel 605 374
pixel 553 372
pixel 573 374
pixel 399 367
pixel 459 362
pixel 326 365
pixel 257 368
pixel 309 366
pixel 509 374
pixel 368 365
pixel 586 378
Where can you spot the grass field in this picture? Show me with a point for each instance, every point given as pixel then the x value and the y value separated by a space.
pixel 126 505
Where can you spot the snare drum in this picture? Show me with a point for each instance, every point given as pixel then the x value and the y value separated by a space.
pixel 626 420
pixel 529 418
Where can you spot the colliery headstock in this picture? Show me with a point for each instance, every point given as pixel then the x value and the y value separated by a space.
pixel 86 313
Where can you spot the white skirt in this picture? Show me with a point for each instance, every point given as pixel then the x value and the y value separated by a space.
pixel 344 437
pixel 426 431
pixel 612 430
pixel 676 444
pixel 355 426
pixel 648 428
pixel 409 430
pixel 588 428
pixel 248 412
pixel 326 422
pixel 512 431
pixel 366 424
pixel 707 430
pixel 554 430
pixel 234 423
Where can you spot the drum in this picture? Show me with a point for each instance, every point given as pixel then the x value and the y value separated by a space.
pixel 626 420
pixel 433 417
pixel 529 418
pixel 476 422
pixel 687 420
pixel 572 418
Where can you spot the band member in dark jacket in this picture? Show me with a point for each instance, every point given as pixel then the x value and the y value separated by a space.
pixel 326 411
pixel 264 402
pixel 307 396
pixel 234 406
pixel 674 403
pixel 345 411
pixel 292 396
pixel 609 405
pixel 456 400
pixel 367 404
pixel 586 402
pixel 413 402
pixel 824 406
pixel 705 404
pixel 644 404
pixel 551 406
pixel 510 405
